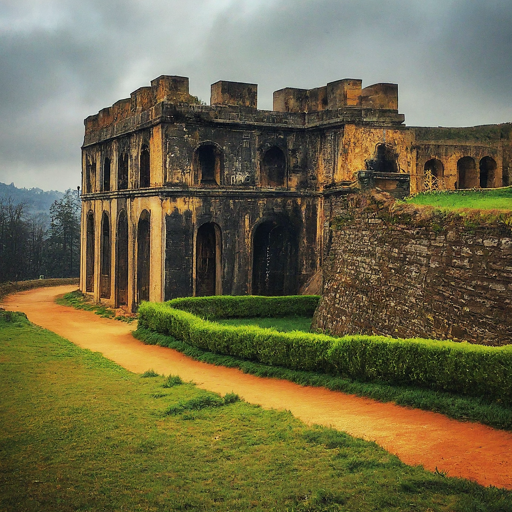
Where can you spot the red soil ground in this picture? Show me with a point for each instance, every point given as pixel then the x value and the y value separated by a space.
pixel 467 450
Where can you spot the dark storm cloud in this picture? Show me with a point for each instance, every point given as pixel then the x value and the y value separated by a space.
pixel 65 60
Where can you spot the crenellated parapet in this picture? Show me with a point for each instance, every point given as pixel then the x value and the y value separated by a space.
pixel 337 95
pixel 345 100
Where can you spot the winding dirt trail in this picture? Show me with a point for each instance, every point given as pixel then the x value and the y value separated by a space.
pixel 467 450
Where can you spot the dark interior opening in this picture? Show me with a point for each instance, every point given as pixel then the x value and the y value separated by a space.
pixel 487 172
pixel 122 260
pixel 466 173
pixel 435 167
pixel 143 257
pixel 274 168
pixel 208 163
pixel 275 260
pixel 105 258
pixel 385 160
pixel 90 176
pixel 122 172
pixel 89 257
pixel 207 256
pixel 145 175
pixel 106 175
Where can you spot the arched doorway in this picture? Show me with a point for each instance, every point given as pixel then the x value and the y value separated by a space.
pixel 89 254
pixel 122 260
pixel 143 256
pixel 275 260
pixel 144 175
pixel 433 174
pixel 487 172
pixel 208 260
pixel 466 173
pixel 273 168
pixel 207 164
pixel 105 257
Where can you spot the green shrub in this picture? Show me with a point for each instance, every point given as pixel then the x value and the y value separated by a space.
pixel 438 365
pixel 226 306
pixel 149 374
pixel 171 381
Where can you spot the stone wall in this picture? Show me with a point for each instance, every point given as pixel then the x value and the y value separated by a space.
pixel 403 271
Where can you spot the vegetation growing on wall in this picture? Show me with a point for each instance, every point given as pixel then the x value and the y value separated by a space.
pixel 482 199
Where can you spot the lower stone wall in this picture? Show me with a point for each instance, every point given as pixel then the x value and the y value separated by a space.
pixel 403 271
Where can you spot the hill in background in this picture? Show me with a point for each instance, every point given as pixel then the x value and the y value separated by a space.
pixel 37 201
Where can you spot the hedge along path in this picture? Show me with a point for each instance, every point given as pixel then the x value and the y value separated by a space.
pixel 466 450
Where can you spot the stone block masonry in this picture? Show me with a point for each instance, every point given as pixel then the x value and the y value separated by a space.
pixel 403 271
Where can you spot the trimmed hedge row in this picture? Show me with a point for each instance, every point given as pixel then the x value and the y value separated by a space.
pixel 440 365
pixel 227 306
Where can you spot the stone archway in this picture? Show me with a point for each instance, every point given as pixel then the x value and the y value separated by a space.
pixel 208 260
pixel 275 259
pixel 105 261
pixel 467 176
pixel 89 253
pixel 487 172
pixel 122 260
pixel 143 256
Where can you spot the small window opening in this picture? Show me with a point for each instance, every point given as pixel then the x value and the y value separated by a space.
pixel 106 175
pixel 122 172
pixel 145 173
pixel 274 168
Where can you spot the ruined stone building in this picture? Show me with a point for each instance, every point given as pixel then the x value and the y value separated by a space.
pixel 182 199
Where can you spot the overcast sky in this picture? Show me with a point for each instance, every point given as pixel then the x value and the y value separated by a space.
pixel 62 60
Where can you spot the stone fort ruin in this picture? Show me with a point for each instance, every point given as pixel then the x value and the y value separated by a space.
pixel 185 199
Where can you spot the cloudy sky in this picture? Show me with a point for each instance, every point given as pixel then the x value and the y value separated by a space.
pixel 62 60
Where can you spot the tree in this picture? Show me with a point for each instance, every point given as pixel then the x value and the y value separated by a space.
pixel 13 237
pixel 63 242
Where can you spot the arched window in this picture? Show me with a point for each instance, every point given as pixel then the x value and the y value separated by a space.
pixel 105 257
pixel 384 160
pixel 208 260
pixel 487 172
pixel 122 172
pixel 89 254
pixel 273 168
pixel 143 256
pixel 106 175
pixel 90 176
pixel 145 174
pixel 208 165
pixel 467 176
pixel 122 260
pixel 275 260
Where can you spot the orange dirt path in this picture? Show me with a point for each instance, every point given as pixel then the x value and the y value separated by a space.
pixel 467 450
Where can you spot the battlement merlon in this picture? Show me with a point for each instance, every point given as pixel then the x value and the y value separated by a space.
pixel 335 95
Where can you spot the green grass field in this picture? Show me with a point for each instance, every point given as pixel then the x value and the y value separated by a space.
pixel 286 324
pixel 79 433
pixel 484 199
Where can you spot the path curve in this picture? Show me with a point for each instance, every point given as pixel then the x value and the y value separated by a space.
pixel 467 450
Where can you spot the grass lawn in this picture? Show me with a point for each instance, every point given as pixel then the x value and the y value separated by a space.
pixel 80 433
pixel 483 199
pixel 286 324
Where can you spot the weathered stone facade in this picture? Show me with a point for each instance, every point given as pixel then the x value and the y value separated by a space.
pixel 407 272
pixel 182 199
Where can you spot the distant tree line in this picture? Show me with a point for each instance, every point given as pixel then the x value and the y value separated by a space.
pixel 30 248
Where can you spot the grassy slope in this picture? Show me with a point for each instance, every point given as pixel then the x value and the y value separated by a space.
pixel 493 199
pixel 80 433
pixel 286 324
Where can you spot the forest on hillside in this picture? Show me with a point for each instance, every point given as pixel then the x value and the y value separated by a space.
pixel 36 241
